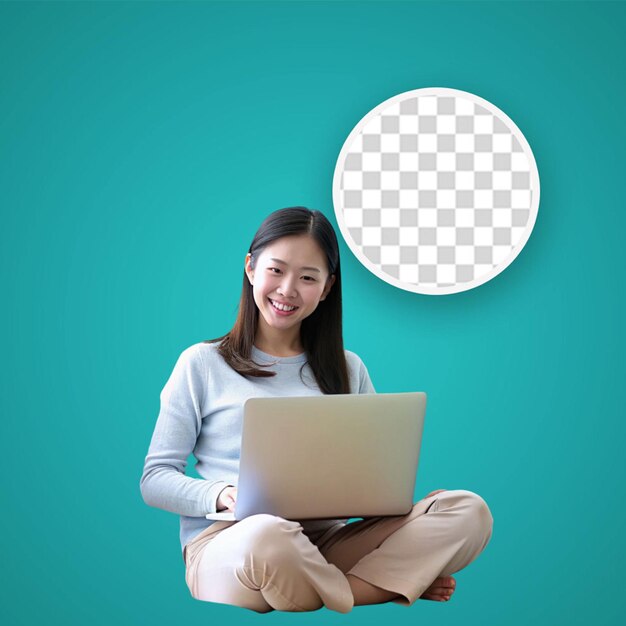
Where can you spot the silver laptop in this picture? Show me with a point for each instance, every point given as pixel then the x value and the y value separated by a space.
pixel 329 456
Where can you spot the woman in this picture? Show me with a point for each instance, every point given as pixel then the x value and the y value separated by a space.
pixel 287 340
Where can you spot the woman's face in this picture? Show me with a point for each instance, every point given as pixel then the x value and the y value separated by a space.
pixel 290 271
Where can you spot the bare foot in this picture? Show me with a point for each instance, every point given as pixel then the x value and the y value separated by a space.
pixel 441 589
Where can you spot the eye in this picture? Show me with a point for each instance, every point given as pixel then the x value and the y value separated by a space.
pixel 309 279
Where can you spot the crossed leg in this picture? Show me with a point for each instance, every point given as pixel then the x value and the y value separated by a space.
pixel 265 562
pixel 403 558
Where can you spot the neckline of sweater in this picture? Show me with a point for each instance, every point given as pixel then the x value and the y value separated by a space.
pixel 298 358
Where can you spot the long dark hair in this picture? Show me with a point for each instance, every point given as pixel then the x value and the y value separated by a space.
pixel 321 332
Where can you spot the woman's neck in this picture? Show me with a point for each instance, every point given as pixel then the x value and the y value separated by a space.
pixel 279 346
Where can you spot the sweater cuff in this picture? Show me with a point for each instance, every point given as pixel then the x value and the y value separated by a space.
pixel 213 492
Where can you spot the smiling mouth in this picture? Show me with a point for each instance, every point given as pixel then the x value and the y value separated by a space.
pixel 291 310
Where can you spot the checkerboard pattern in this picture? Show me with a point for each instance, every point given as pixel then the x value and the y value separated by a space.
pixel 438 192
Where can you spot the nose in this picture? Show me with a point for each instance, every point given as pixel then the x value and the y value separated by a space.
pixel 287 287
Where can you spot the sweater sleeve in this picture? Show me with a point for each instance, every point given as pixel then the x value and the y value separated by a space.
pixel 163 483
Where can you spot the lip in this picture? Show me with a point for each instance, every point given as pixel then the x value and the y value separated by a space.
pixel 282 313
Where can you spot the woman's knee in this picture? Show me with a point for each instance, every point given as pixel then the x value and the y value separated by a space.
pixel 268 537
pixel 474 509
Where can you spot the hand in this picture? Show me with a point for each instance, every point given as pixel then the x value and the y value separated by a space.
pixel 226 499
pixel 432 493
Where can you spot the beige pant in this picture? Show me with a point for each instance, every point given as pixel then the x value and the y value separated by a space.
pixel 265 562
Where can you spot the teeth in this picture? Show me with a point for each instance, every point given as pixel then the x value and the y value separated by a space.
pixel 282 307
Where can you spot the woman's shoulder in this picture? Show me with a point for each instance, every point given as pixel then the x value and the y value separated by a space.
pixel 201 352
pixel 208 350
pixel 354 360
pixel 360 381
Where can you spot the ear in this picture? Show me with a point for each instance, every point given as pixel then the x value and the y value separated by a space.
pixel 329 283
pixel 249 271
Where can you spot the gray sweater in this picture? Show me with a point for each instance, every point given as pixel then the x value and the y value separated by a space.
pixel 202 412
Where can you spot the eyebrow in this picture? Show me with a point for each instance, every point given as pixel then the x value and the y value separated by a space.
pixel 312 269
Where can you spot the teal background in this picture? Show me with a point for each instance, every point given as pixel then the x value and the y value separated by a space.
pixel 142 144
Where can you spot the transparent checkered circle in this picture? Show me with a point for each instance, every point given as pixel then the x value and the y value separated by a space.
pixel 436 191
